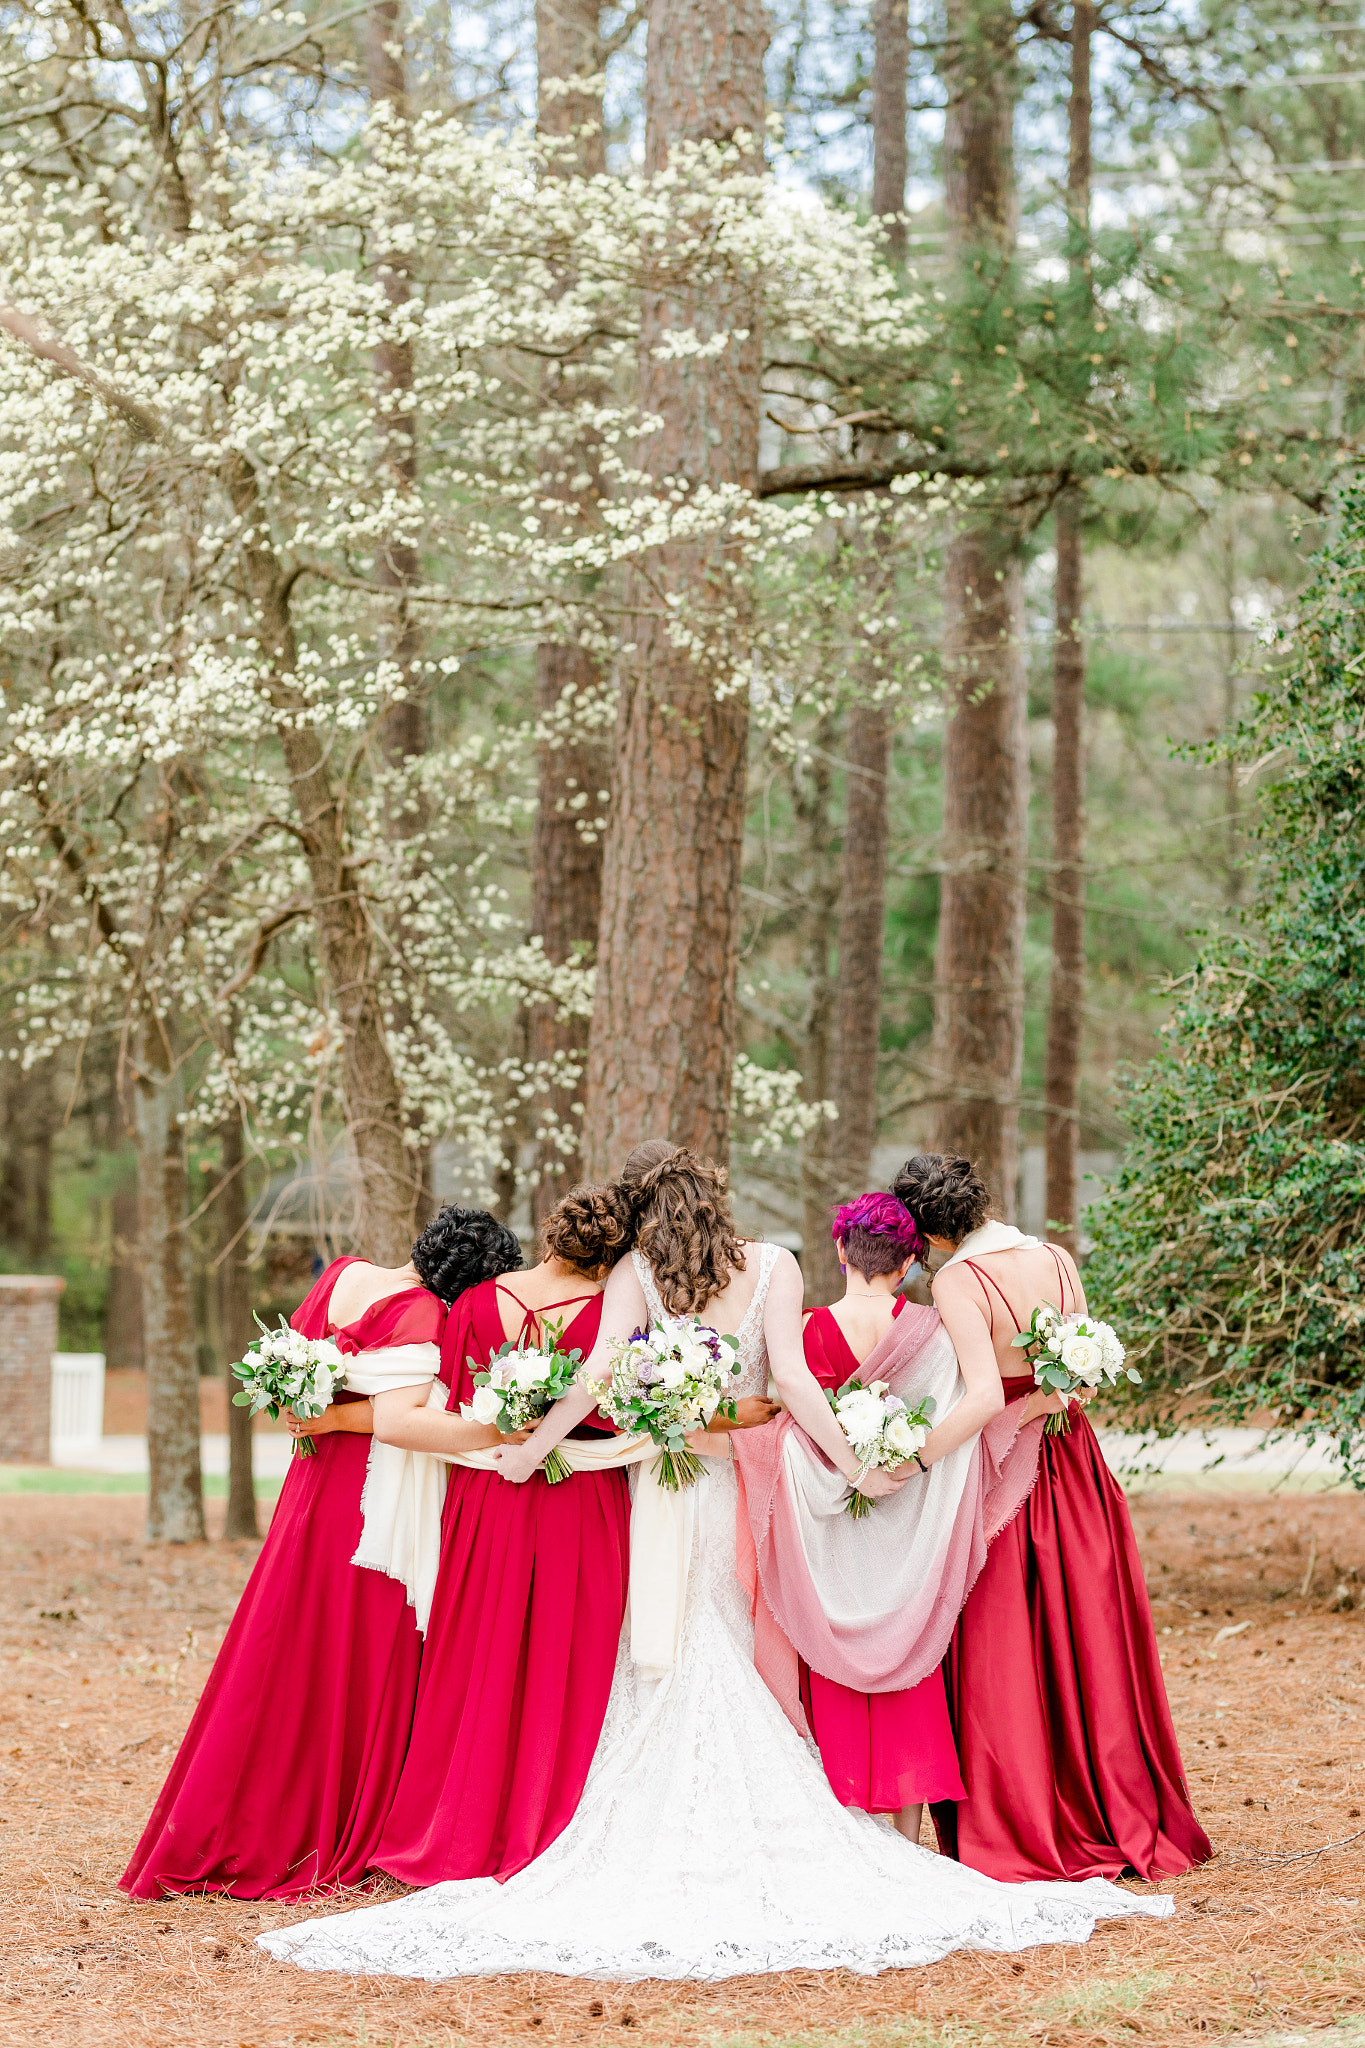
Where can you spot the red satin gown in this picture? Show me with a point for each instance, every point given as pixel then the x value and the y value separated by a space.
pixel 520 1648
pixel 289 1765
pixel 881 1750
pixel 1055 1687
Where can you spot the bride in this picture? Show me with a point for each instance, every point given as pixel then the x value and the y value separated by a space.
pixel 708 1843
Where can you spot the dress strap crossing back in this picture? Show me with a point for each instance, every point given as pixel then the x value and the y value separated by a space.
pixel 986 1280
pixel 533 1318
pixel 1061 1275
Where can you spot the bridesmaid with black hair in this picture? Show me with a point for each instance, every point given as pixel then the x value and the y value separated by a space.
pixel 289 1766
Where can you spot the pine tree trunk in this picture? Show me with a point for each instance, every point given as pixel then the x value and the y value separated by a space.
pixel 124 1350
pixel 890 84
pixel 235 1321
pixel 665 1020
pixel 566 866
pixel 175 1501
pixel 1066 996
pixel 822 1146
pixel 862 919
pixel 867 743
pixel 978 973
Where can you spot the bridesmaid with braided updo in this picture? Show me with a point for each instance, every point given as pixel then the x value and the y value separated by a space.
pixel 531 1589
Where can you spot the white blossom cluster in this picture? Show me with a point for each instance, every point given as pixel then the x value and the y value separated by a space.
pixel 201 509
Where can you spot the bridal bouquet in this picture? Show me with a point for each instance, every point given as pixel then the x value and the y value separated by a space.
pixel 669 1380
pixel 521 1383
pixel 1070 1352
pixel 284 1371
pixel 882 1429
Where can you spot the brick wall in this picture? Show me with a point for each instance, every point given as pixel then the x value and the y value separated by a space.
pixel 28 1338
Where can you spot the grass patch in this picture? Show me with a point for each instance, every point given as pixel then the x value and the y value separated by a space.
pixel 46 1479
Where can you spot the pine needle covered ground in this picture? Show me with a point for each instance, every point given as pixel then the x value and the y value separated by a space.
pixel 107 1643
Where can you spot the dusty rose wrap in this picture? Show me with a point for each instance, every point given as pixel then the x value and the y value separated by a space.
pixel 871 1603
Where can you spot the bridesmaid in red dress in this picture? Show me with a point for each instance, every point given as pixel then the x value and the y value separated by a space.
pixel 1055 1689
pixel 886 1752
pixel 530 1595
pixel 288 1767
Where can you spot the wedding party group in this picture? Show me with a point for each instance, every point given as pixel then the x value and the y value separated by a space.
pixel 632 1615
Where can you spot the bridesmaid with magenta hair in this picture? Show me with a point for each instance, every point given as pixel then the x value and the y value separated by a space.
pixel 289 1765
pixel 530 1590
pixel 1064 1733
pixel 886 1752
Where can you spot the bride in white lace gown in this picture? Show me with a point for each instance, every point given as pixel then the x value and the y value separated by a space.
pixel 708 1843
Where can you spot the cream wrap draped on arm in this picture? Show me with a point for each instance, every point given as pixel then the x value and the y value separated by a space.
pixel 405 1493
pixel 872 1602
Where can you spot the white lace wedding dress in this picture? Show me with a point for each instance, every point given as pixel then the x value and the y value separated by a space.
pixel 708 1843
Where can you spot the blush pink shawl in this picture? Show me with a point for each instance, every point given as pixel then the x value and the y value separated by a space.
pixel 872 1603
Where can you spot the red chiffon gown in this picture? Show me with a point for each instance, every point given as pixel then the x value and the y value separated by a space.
pixel 520 1648
pixel 881 1750
pixel 1055 1687
pixel 289 1765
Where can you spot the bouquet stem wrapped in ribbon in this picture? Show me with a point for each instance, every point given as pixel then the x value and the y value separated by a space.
pixel 284 1372
pixel 882 1429
pixel 1071 1352
pixel 521 1383
pixel 667 1381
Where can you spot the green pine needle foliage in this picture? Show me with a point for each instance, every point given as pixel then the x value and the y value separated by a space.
pixel 1231 1251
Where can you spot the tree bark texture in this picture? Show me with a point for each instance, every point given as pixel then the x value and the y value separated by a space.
pixel 1066 994
pixel 175 1500
pixel 123 1347
pixel 233 1279
pixel 389 1173
pixel 867 738
pixel 397 567
pixel 890 84
pixel 862 920
pixel 566 866
pixel 979 988
pixel 569 49
pixel 665 1021
pixel 979 960
pixel 822 1146
pixel 29 1122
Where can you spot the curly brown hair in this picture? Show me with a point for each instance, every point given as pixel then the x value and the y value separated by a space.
pixel 944 1193
pixel 590 1229
pixel 683 1224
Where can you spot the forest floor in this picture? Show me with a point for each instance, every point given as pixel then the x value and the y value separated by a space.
pixel 107 1642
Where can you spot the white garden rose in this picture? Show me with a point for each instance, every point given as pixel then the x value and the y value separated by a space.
pixel 672 1373
pixel 486 1405
pixel 532 1369
pixel 902 1437
pixel 1081 1355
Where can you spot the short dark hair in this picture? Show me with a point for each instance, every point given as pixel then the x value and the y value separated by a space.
pixel 944 1193
pixel 460 1247
pixel 878 1234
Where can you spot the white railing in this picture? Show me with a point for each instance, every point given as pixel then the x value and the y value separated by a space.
pixel 77 1403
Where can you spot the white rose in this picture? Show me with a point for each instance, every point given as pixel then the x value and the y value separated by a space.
pixel 672 1373
pixel 903 1437
pixel 530 1371
pixel 486 1405
pixel 1082 1357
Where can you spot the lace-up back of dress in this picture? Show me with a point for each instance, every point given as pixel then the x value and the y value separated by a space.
pixel 753 1348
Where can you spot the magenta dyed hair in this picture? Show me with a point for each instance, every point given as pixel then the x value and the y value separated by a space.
pixel 878 1234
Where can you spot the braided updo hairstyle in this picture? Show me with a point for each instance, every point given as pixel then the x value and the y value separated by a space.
pixel 590 1229
pixel 944 1193
pixel 682 1220
pixel 460 1247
